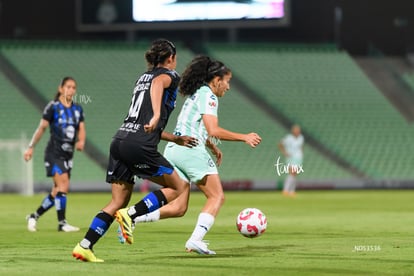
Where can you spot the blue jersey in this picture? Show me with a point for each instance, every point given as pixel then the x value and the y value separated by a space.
pixel 64 126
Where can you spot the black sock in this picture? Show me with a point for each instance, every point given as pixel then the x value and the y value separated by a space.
pixel 149 203
pixel 60 204
pixel 100 224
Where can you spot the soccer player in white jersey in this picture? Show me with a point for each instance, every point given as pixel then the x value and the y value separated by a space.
pixel 291 147
pixel 203 82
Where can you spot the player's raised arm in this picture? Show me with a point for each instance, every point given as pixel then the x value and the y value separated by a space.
pixel 214 130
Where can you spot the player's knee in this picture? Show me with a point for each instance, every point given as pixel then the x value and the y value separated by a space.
pixel 182 187
pixel 120 203
pixel 181 210
pixel 219 199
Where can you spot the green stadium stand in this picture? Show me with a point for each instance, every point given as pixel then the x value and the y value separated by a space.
pixel 105 74
pixel 324 91
pixel 19 117
pixel 408 78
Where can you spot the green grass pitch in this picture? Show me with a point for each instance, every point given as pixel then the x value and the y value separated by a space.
pixel 317 233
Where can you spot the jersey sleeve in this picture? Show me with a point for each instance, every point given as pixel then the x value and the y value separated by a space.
pixel 48 112
pixel 175 78
pixel 81 114
pixel 208 104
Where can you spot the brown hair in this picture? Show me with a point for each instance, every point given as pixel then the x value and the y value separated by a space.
pixel 62 83
pixel 160 50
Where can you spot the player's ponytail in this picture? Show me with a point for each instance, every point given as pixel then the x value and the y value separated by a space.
pixel 160 50
pixel 199 72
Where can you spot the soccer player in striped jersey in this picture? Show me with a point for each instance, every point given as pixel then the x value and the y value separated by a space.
pixel 67 132
pixel 203 82
pixel 133 151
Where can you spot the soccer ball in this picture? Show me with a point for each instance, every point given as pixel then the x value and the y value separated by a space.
pixel 251 222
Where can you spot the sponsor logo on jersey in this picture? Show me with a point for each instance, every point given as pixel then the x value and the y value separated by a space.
pixel 142 166
pixel 70 132
pixel 67 147
pixel 77 115
pixel 212 104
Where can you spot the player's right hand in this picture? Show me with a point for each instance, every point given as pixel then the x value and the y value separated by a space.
pixel 28 154
pixel 252 139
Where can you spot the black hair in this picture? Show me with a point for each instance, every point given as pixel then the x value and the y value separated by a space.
pixel 62 83
pixel 199 72
pixel 160 50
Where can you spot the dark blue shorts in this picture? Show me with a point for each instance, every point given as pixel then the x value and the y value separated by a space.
pixel 55 165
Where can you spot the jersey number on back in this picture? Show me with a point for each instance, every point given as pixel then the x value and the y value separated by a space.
pixel 136 105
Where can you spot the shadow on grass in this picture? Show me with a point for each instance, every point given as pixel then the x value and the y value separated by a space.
pixel 246 251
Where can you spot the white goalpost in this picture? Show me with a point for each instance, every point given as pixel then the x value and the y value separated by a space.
pixel 16 175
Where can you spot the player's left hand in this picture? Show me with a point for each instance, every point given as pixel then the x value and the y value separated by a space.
pixel 186 141
pixel 80 145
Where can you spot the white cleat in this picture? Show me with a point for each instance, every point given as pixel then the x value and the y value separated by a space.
pixel 31 223
pixel 198 246
pixel 68 228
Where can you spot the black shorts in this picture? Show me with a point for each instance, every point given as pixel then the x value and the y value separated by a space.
pixel 57 165
pixel 127 160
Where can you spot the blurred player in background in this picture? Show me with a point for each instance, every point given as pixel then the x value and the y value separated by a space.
pixel 133 151
pixel 291 147
pixel 203 82
pixel 67 133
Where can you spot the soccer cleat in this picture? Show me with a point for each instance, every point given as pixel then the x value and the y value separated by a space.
pixel 31 223
pixel 66 227
pixel 125 223
pixel 85 255
pixel 120 235
pixel 198 246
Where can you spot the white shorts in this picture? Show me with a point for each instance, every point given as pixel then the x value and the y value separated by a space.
pixel 191 164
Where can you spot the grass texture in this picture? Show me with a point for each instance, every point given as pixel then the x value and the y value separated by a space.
pixel 364 232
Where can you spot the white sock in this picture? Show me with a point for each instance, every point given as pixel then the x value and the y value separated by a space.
pixel 293 184
pixel 150 217
pixel 85 243
pixel 204 223
pixel 289 184
pixel 286 184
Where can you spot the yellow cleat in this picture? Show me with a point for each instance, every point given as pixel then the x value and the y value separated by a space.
pixel 125 223
pixel 85 255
